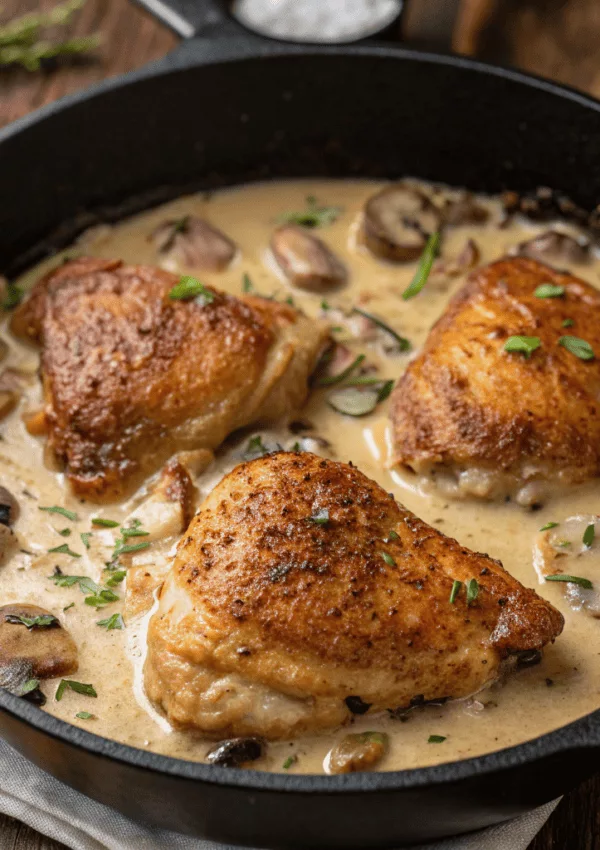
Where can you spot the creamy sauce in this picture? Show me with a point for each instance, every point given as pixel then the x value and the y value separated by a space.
pixel 565 686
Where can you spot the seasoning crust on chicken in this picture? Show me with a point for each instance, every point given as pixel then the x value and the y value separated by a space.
pixel 301 583
pixel 492 423
pixel 132 376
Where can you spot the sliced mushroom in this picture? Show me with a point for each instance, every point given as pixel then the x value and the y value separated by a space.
pixel 357 752
pixel 463 209
pixel 195 243
pixel 18 679
pixel 9 507
pixel 305 260
pixel 49 649
pixel 554 245
pixel 398 220
pixel 235 752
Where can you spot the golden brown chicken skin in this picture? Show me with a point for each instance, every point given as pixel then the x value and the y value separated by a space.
pixel 131 376
pixel 492 423
pixel 301 584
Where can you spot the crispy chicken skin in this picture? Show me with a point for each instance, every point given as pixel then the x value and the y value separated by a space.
pixel 131 376
pixel 269 620
pixel 498 423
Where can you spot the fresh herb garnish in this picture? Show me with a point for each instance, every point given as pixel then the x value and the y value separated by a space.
pixel 42 621
pixel 67 607
pixel 65 532
pixel 290 760
pixel 116 578
pixel 325 305
pixel 247 285
pixel 78 687
pixel 191 287
pixel 548 526
pixel 436 739
pixel 114 622
pixel 563 543
pixel 579 347
pixel 589 534
pixel 329 380
pixel 388 559
pixel 456 586
pixel 549 290
pixel 29 686
pixel 568 323
pixel 101 598
pixel 55 509
pixel 423 269
pixel 134 532
pixel 86 585
pixel 472 591
pixel 105 523
pixel 64 550
pixel 525 345
pixel 313 216
pixel 84 715
pixel 85 538
pixel 131 547
pixel 321 517
pixel 14 293
pixel 582 582
pixel 403 343
pixel 392 535
pixel 255 448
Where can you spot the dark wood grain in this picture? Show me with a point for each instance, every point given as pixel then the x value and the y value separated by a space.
pixel 555 38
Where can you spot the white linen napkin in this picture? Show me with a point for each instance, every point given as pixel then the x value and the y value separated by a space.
pixel 32 796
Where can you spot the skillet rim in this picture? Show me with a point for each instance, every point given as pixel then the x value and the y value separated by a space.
pixel 583 733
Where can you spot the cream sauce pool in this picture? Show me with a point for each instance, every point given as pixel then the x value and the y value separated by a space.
pixel 565 686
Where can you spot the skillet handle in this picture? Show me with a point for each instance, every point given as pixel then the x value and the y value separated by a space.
pixel 429 23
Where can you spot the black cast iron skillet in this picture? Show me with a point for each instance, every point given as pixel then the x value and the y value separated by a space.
pixel 229 107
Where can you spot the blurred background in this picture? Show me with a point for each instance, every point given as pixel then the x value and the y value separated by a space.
pixel 559 39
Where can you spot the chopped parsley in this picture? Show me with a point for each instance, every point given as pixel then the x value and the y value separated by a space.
pixel 388 559
pixel 105 523
pixel 568 323
pixel 85 538
pixel 134 532
pixel 525 345
pixel 313 216
pixel 130 547
pixel 579 347
pixel 42 621
pixel 55 509
pixel 255 448
pixel 247 285
pixel 423 269
pixel 403 343
pixel 116 578
pixel 582 582
pixel 191 287
pixel 84 715
pixel 29 686
pixel 114 622
pixel 548 526
pixel 549 290
pixel 563 543
pixel 290 760
pixel 393 535
pixel 64 550
pixel 436 739
pixel 321 517
pixel 67 607
pixel 86 585
pixel 14 296
pixel 589 534
pixel 456 586
pixel 101 598
pixel 472 591
pixel 78 687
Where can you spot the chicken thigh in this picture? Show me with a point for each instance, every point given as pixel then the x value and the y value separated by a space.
pixel 504 398
pixel 302 589
pixel 132 375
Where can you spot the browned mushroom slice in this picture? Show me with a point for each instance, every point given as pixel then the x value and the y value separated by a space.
pixel 195 243
pixel 552 245
pixel 305 260
pixel 33 635
pixel 398 221
pixel 357 752
pixel 463 209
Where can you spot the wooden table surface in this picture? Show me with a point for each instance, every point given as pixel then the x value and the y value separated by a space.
pixel 553 38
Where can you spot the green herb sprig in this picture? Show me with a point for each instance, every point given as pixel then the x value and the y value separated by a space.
pixel 419 280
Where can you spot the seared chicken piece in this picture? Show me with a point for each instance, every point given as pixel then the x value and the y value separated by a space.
pixel 132 376
pixel 302 589
pixel 490 422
